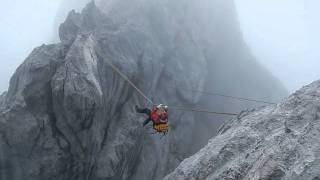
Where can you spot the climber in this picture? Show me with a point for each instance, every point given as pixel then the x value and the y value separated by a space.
pixel 158 114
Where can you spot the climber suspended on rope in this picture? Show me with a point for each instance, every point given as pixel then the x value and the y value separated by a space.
pixel 158 115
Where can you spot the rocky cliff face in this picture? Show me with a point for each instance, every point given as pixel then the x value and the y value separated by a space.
pixel 274 142
pixel 68 116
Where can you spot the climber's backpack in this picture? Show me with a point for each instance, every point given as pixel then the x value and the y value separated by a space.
pixel 161 128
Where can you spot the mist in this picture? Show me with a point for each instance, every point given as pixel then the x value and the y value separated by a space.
pixel 25 25
pixel 283 35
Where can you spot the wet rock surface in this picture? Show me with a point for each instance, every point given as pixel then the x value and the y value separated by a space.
pixel 274 142
pixel 68 116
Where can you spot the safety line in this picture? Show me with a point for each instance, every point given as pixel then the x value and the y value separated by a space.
pixel 176 107
pixel 129 81
pixel 171 107
pixel 199 110
pixel 222 95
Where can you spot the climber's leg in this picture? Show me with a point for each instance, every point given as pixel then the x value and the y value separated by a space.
pixel 143 110
pixel 146 121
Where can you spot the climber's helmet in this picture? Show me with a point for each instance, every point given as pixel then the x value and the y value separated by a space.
pixel 166 108
pixel 162 107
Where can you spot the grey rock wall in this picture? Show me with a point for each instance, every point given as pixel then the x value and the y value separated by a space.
pixel 68 116
pixel 274 142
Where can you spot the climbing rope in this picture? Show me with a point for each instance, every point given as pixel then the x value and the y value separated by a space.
pixel 183 108
pixel 130 82
pixel 201 111
pixel 223 95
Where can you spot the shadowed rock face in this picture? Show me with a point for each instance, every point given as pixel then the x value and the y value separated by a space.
pixel 68 116
pixel 274 142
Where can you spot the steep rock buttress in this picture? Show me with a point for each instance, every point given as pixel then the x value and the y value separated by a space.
pixel 68 116
pixel 274 142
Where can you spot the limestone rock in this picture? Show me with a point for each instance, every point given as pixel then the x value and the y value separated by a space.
pixel 275 142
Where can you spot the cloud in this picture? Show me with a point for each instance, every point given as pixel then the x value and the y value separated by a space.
pixel 283 35
pixel 24 25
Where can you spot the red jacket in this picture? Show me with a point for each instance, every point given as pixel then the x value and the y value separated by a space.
pixel 158 119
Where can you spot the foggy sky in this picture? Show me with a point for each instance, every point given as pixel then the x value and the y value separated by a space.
pixel 282 34
pixel 24 25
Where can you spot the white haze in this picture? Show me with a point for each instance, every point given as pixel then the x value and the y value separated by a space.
pixel 24 25
pixel 282 34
